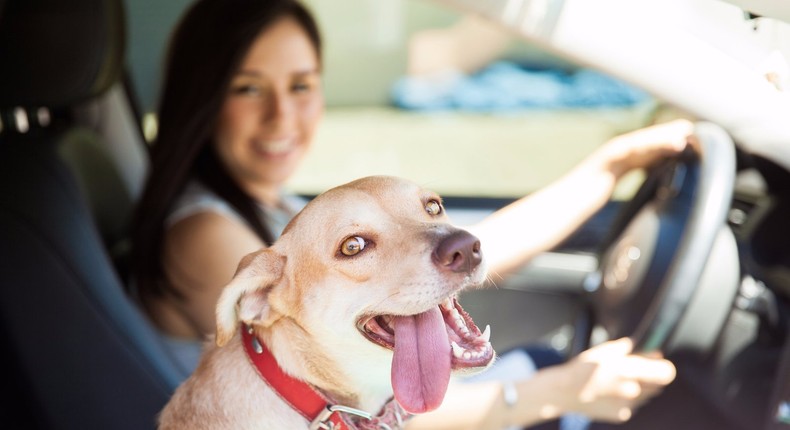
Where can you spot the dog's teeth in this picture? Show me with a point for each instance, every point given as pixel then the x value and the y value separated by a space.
pixel 448 304
pixel 486 336
pixel 458 352
pixel 459 321
pixel 467 355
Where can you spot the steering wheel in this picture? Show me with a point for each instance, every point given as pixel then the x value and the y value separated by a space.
pixel 658 281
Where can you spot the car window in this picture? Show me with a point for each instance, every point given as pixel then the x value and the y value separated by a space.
pixel 470 149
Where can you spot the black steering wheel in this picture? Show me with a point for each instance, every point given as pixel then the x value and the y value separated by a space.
pixel 657 271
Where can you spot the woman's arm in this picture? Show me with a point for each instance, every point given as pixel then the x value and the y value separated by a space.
pixel 540 221
pixel 200 256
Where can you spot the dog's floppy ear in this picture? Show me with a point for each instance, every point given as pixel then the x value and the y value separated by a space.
pixel 257 272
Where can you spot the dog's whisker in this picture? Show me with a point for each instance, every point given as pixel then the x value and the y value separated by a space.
pixel 490 280
pixel 492 273
pixel 395 294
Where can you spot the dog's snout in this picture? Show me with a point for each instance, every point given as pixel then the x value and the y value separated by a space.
pixel 458 252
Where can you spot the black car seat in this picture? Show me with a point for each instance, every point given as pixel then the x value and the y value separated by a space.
pixel 77 353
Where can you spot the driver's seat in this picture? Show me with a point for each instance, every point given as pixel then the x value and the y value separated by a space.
pixel 79 354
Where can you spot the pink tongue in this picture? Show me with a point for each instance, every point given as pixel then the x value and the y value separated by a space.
pixel 421 364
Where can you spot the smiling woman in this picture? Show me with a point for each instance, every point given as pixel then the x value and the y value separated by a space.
pixel 216 171
pixel 278 83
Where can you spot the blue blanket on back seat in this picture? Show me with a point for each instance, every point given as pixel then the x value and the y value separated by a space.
pixel 506 86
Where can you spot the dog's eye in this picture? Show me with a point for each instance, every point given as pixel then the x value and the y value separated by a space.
pixel 352 246
pixel 433 207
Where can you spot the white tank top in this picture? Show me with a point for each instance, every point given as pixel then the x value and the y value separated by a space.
pixel 197 198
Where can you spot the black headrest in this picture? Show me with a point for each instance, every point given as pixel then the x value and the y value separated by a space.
pixel 55 53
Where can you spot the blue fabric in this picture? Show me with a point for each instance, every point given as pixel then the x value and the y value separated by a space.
pixel 505 86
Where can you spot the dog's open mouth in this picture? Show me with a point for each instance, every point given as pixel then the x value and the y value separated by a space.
pixel 426 348
pixel 470 346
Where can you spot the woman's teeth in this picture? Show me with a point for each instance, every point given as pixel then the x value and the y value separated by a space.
pixel 275 147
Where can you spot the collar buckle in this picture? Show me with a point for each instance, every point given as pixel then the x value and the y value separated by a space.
pixel 323 420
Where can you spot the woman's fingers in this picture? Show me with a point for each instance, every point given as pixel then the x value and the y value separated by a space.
pixel 670 135
pixel 610 409
pixel 649 370
pixel 608 350
pixel 619 402
pixel 628 389
pixel 644 147
pixel 614 373
pixel 616 359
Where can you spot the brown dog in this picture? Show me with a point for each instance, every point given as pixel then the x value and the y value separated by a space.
pixel 355 302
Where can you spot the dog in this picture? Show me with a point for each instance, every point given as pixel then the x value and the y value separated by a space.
pixel 353 310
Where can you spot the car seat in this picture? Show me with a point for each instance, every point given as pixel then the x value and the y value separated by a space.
pixel 78 352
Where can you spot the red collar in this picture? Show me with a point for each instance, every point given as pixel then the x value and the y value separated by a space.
pixel 310 403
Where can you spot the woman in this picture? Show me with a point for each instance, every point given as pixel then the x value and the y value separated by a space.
pixel 240 104
pixel 211 151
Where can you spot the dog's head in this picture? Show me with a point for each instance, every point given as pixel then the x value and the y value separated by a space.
pixel 369 273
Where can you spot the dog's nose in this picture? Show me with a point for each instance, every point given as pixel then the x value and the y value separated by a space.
pixel 458 252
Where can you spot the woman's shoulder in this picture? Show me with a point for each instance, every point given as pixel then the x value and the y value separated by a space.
pixel 197 199
pixel 205 248
pixel 202 225
pixel 209 233
pixel 201 217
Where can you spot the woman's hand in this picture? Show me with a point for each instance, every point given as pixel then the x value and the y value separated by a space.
pixel 605 383
pixel 645 146
pixel 608 382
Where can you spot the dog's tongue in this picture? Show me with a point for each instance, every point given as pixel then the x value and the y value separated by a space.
pixel 421 362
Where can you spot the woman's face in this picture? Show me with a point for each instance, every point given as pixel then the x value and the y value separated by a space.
pixel 271 110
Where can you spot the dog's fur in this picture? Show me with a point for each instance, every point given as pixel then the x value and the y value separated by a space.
pixel 306 301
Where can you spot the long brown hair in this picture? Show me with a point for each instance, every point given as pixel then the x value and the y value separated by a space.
pixel 205 50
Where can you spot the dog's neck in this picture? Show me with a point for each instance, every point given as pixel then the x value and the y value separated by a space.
pixel 331 373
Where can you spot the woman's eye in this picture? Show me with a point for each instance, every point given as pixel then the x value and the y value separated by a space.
pixel 433 207
pixel 301 87
pixel 248 90
pixel 352 246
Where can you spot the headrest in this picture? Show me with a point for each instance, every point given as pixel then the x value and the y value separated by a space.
pixel 55 53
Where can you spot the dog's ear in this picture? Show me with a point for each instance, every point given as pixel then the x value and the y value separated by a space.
pixel 246 292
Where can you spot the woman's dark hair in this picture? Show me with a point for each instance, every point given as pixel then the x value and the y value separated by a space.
pixel 205 51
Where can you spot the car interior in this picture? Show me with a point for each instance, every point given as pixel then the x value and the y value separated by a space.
pixel 711 225
pixel 81 354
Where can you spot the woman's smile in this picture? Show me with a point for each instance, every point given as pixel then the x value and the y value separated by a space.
pixel 275 148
